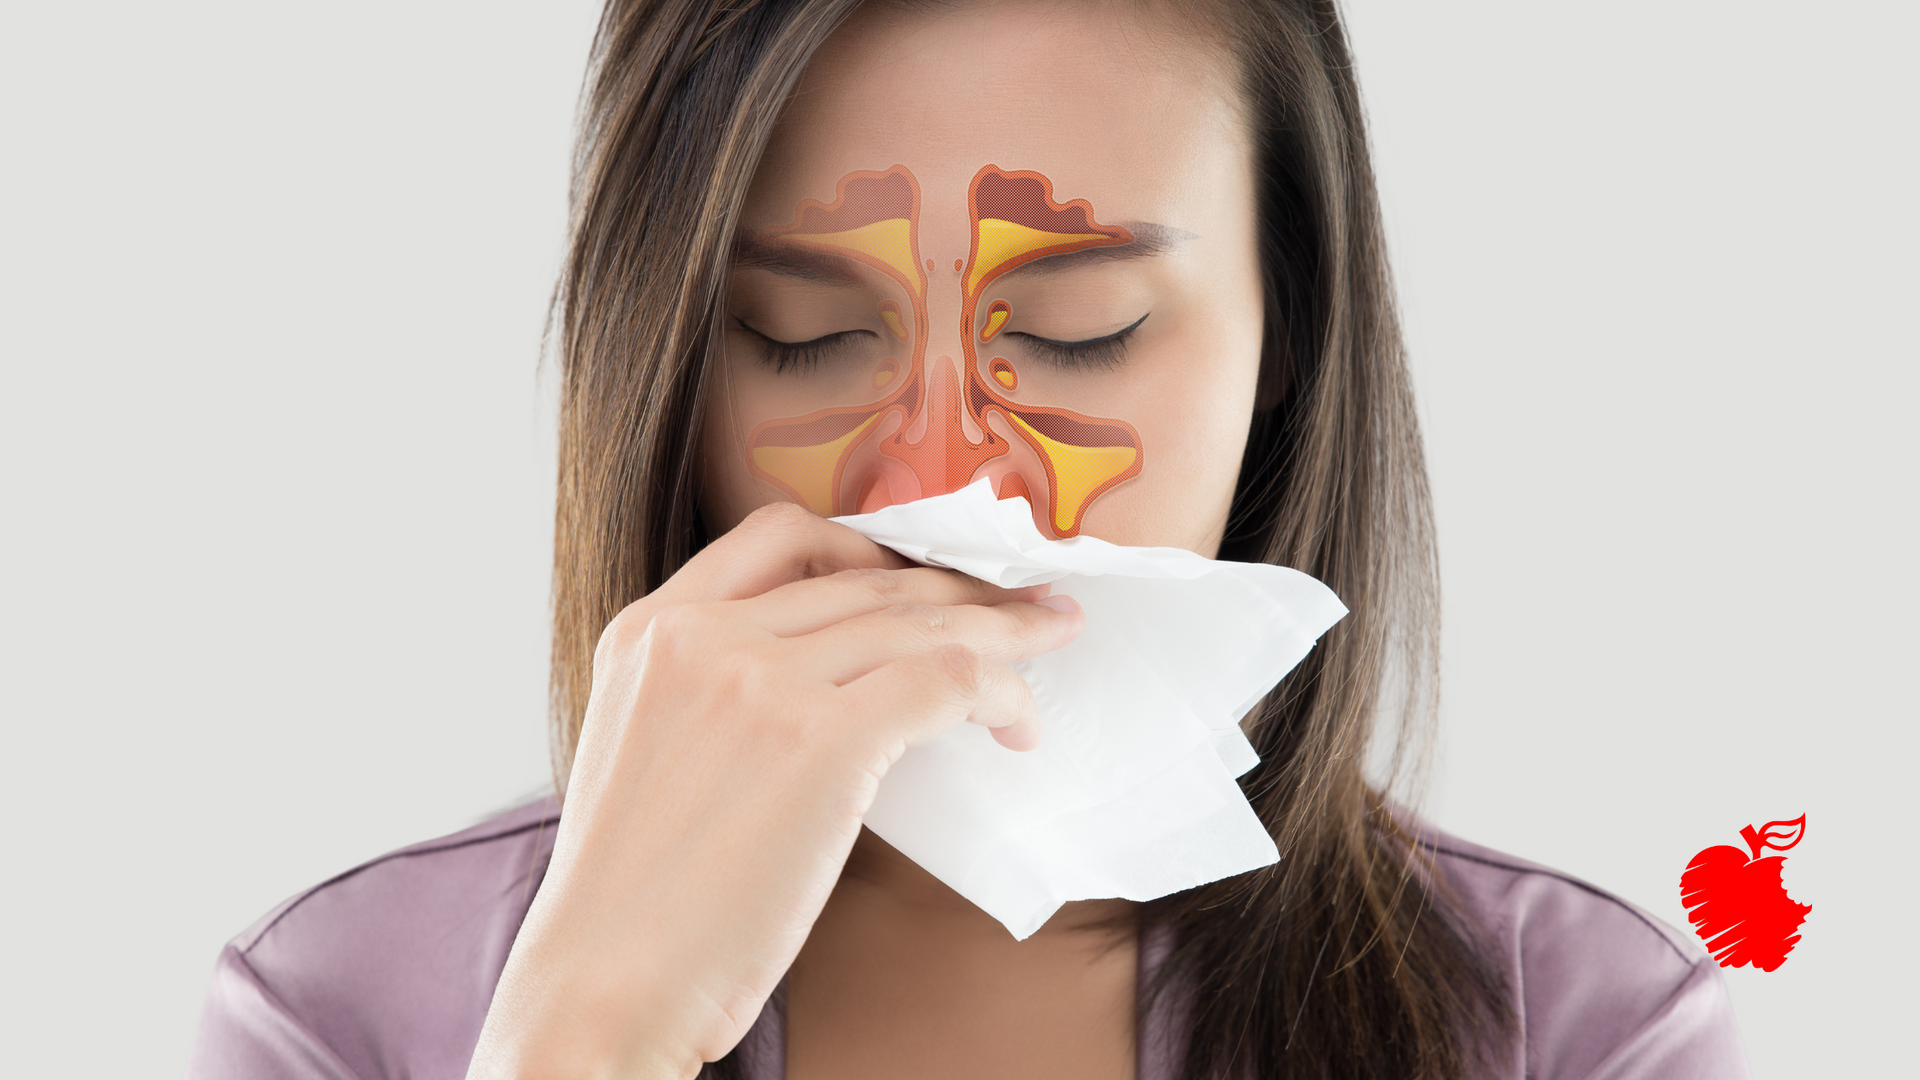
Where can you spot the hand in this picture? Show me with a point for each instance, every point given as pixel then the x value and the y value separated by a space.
pixel 741 718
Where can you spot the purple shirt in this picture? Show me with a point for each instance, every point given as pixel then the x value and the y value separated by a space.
pixel 386 971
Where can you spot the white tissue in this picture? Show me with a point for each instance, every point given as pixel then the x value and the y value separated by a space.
pixel 1131 793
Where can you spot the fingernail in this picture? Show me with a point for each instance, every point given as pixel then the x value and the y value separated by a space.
pixel 1063 604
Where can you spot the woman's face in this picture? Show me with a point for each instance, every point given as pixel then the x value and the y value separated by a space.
pixel 1008 242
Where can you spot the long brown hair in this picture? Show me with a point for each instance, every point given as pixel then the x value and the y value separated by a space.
pixel 1345 959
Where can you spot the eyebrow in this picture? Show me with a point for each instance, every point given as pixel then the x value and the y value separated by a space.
pixel 1148 241
pixel 816 266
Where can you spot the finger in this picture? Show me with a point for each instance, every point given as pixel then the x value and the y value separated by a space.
pixel 1000 634
pixel 777 544
pixel 927 693
pixel 803 607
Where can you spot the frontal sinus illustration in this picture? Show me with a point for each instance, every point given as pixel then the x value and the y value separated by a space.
pixel 938 426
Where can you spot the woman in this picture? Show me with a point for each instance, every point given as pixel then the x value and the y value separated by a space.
pixel 1122 260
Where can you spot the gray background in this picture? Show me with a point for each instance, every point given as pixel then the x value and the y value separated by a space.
pixel 277 463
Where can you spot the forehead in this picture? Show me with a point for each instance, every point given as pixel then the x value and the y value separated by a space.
pixel 1121 106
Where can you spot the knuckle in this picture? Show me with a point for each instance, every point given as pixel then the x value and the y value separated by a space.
pixel 930 619
pixel 963 667
pixel 619 633
pixel 780 517
pixel 887 587
pixel 753 679
pixel 675 625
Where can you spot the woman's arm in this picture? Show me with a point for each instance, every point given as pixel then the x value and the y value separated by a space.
pixel 742 716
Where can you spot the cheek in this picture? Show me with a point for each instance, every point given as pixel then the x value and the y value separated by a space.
pixel 1193 421
pixel 728 493
pixel 1182 497
pixel 745 395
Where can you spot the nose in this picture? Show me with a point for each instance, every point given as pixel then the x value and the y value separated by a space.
pixel 944 445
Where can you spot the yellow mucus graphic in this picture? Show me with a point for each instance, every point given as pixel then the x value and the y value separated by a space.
pixel 1002 241
pixel 1077 472
pixel 888 242
pixel 811 473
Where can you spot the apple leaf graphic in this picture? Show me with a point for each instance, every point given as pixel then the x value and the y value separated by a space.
pixel 1737 902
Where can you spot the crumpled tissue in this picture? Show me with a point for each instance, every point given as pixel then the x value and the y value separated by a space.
pixel 1131 792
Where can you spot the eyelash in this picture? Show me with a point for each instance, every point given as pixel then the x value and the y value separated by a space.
pixel 1102 352
pixel 1106 352
pixel 785 355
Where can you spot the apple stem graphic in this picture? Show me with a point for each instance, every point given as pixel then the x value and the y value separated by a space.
pixel 1737 902
pixel 1770 837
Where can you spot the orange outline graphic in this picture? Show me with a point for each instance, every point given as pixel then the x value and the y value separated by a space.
pixel 1015 221
pixel 874 219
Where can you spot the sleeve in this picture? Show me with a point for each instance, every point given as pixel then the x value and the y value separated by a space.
pixel 246 1033
pixel 1692 1034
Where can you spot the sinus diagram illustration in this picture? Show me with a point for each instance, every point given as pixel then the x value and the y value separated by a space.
pixel 935 424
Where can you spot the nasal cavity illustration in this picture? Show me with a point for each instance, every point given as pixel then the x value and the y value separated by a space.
pixel 937 425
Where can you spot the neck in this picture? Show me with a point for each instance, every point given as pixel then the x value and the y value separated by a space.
pixel 902 976
pixel 880 875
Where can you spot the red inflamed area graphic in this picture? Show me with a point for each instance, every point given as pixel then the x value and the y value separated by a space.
pixel 1737 902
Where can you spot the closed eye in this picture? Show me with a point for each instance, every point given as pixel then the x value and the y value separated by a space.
pixel 1105 352
pixel 784 355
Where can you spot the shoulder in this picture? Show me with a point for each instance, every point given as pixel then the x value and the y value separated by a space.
pixel 1601 988
pixel 384 970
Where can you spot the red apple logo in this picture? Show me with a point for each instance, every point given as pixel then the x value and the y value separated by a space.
pixel 1738 905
